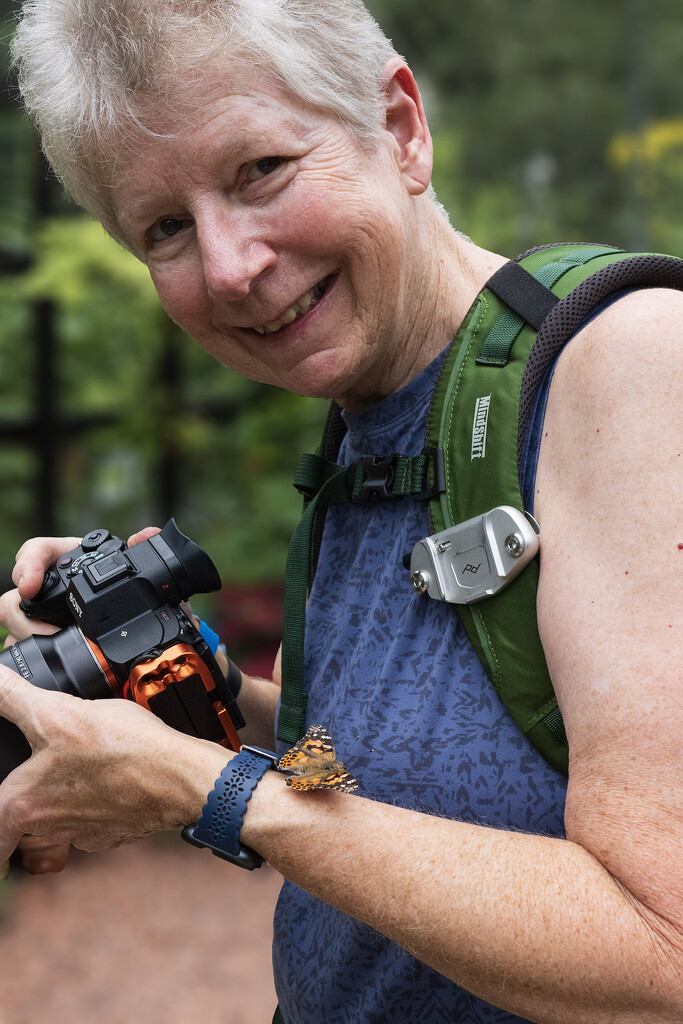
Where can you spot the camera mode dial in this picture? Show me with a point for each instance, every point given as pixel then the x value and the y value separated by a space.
pixel 93 540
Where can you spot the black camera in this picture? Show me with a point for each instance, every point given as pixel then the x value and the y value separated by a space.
pixel 124 634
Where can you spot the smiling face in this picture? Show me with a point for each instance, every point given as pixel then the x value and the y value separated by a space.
pixel 283 247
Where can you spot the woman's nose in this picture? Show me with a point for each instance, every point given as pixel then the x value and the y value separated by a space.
pixel 233 256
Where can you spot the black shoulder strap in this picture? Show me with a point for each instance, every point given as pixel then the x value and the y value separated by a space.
pixel 331 441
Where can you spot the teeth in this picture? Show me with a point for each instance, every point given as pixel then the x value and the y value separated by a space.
pixel 294 312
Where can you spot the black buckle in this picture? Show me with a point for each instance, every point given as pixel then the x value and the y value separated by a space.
pixel 439 468
pixel 246 858
pixel 379 475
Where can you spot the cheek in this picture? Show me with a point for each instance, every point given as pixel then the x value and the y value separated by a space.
pixel 182 294
pixel 326 214
pixel 364 224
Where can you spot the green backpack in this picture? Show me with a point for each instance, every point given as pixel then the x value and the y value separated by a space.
pixel 480 410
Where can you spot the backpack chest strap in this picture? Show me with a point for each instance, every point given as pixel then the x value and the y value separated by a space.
pixel 373 478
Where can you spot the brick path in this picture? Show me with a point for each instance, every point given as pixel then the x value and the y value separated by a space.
pixel 154 933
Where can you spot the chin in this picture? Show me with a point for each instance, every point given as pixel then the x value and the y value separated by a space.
pixel 323 377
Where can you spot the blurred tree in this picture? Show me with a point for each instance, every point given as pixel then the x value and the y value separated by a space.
pixel 651 160
pixel 529 84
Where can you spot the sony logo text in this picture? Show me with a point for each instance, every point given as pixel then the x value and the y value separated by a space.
pixel 76 605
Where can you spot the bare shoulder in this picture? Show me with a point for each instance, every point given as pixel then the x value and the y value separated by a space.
pixel 637 339
pixel 615 404
pixel 608 502
pixel 655 311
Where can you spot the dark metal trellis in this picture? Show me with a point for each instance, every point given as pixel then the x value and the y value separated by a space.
pixel 49 429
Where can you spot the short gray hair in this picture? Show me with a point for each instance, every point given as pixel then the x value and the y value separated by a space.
pixel 93 71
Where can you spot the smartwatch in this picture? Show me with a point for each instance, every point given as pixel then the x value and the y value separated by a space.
pixel 220 822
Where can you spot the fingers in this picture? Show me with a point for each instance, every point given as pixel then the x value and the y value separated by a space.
pixel 10 833
pixel 39 553
pixel 149 531
pixel 34 557
pixel 12 617
pixel 18 700
pixel 40 856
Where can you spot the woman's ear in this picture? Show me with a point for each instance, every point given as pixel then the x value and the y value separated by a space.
pixel 405 120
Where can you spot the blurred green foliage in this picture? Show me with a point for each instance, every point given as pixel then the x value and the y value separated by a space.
pixel 551 121
pixel 526 97
pixel 236 496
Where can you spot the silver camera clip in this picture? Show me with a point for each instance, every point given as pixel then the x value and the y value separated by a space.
pixel 475 559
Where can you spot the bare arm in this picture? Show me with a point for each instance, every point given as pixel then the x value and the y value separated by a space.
pixel 258 700
pixel 258 703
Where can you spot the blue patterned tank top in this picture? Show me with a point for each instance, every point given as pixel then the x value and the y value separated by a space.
pixel 394 678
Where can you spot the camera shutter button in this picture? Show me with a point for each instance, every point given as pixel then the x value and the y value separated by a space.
pixel 94 539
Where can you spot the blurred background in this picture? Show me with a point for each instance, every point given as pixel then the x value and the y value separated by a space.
pixel 551 122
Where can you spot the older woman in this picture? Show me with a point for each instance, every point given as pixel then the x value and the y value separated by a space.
pixel 270 162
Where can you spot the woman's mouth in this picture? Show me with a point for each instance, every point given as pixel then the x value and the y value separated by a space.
pixel 298 310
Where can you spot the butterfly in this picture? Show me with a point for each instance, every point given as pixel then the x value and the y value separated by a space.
pixel 314 765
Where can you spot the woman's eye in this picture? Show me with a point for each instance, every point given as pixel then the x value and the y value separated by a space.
pixel 167 227
pixel 263 167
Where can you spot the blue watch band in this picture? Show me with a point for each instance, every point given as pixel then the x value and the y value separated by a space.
pixel 221 819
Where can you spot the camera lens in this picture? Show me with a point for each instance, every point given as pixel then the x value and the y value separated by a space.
pixel 64 662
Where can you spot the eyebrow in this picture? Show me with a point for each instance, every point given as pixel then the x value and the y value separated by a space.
pixel 132 219
pixel 142 210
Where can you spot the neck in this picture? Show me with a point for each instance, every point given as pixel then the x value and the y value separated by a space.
pixel 447 272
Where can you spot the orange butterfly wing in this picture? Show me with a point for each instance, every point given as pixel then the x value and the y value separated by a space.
pixel 314 765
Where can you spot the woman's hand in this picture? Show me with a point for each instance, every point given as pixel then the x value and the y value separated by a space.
pixel 102 773
pixel 33 560
pixel 39 855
